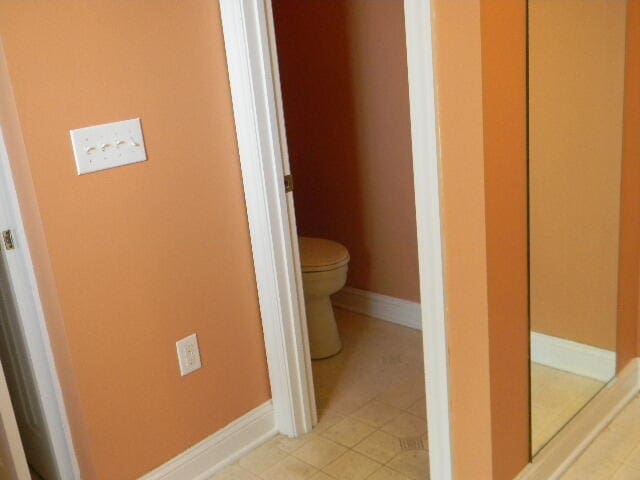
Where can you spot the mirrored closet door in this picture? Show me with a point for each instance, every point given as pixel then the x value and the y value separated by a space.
pixel 576 88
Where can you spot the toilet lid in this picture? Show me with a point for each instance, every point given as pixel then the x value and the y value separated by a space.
pixel 318 254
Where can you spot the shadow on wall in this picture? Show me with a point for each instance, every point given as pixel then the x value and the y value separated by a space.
pixel 344 81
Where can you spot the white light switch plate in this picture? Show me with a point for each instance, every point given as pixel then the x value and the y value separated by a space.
pixel 188 354
pixel 108 146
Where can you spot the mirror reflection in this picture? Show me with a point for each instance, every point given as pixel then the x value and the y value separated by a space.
pixel 576 88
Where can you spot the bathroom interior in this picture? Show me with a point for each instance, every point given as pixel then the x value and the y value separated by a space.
pixel 346 110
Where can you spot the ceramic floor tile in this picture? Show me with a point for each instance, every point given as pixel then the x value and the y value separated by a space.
pixel 234 472
pixel 406 425
pixel 419 408
pixel 413 464
pixel 348 432
pixel 291 444
pixel 263 457
pixel 633 459
pixel 626 472
pixel 321 476
pixel 327 419
pixel 614 454
pixel 319 452
pixel 291 469
pixel 375 382
pixel 352 466
pixel 387 474
pixel 379 446
pixel 402 396
pixel 584 471
pixel 377 413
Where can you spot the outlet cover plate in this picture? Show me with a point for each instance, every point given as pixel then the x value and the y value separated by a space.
pixel 107 146
pixel 188 354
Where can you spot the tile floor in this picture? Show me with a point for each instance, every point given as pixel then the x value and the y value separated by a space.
pixel 556 396
pixel 615 453
pixel 372 413
pixel 371 408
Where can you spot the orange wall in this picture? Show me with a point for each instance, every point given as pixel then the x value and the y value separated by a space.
pixel 504 82
pixel 576 97
pixel 459 95
pixel 346 104
pixel 132 259
pixel 481 93
pixel 12 134
pixel 628 318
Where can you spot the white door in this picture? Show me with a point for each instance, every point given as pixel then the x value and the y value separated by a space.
pixel 21 381
pixel 293 228
pixel 13 464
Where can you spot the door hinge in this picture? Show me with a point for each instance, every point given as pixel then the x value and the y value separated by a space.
pixel 7 239
pixel 288 183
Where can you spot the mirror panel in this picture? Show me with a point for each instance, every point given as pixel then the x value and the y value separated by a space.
pixel 576 90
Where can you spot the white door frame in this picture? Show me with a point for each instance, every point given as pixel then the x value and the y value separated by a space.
pixel 32 320
pixel 255 89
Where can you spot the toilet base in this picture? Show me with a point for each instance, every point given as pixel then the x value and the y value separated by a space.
pixel 324 339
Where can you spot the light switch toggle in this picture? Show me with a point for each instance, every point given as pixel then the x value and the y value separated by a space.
pixel 108 146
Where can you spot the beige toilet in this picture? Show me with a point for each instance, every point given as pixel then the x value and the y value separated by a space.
pixel 324 272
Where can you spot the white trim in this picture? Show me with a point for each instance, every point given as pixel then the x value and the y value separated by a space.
pixel 383 307
pixel 573 357
pixel 424 139
pixel 249 60
pixel 564 449
pixel 29 308
pixel 222 448
pixel 302 318
pixel 253 78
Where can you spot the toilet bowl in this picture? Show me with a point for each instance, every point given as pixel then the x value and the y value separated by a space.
pixel 324 272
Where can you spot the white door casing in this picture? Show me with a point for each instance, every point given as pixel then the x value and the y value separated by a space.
pixel 251 65
pixel 43 389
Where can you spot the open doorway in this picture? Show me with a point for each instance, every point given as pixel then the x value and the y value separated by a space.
pixel 346 111
pixel 261 123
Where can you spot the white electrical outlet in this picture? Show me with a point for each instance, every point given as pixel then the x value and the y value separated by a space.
pixel 188 354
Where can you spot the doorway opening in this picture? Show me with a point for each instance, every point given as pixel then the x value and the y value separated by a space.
pixel 260 110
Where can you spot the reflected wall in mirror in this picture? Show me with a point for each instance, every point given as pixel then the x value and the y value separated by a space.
pixel 576 88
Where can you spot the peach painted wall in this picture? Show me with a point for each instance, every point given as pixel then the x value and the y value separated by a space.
pixel 577 53
pixel 132 259
pixel 346 104
pixel 504 89
pixel 12 135
pixel 458 65
pixel 481 93
pixel 629 269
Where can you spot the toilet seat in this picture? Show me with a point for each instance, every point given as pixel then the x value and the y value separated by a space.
pixel 320 255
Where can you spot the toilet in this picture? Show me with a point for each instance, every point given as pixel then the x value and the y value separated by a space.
pixel 324 272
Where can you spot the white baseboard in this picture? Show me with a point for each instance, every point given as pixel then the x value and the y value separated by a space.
pixel 383 307
pixel 565 448
pixel 555 352
pixel 212 454
pixel 573 357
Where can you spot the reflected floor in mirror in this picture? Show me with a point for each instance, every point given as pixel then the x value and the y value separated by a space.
pixel 556 396
pixel 371 409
